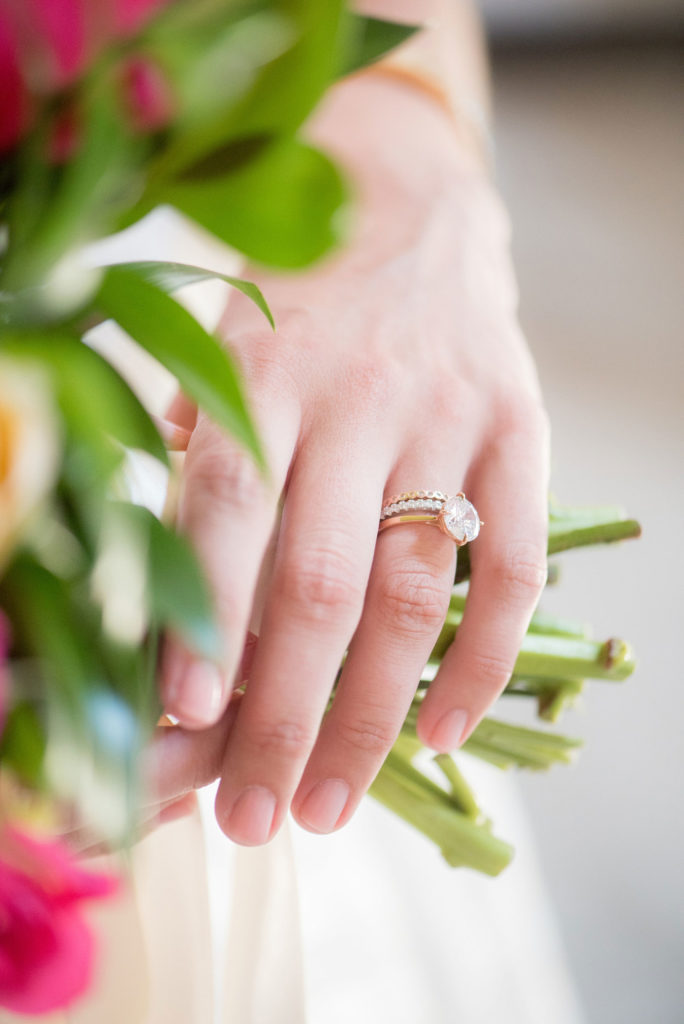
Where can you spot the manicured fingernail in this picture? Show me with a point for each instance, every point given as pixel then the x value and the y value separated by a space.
pixel 197 697
pixel 448 732
pixel 324 805
pixel 251 818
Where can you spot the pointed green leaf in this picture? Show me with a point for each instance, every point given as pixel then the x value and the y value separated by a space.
pixel 371 39
pixel 171 276
pixel 204 369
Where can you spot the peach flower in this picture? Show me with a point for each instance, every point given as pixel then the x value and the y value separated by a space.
pixel 29 447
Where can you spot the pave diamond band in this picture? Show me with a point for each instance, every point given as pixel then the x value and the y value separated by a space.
pixel 423 501
pixel 456 517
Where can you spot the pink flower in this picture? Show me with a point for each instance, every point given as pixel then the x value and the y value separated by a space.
pixel 132 14
pixel 46 949
pixel 147 95
pixel 13 96
pixel 47 44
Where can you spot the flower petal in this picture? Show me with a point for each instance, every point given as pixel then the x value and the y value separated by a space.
pixel 14 106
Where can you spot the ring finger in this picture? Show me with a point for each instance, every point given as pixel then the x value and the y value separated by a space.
pixel 405 608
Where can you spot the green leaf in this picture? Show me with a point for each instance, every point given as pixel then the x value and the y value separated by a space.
pixel 371 39
pixel 178 594
pixel 53 211
pixel 94 737
pixel 171 276
pixel 283 208
pixel 96 402
pixel 43 615
pixel 257 72
pixel 204 369
pixel 22 746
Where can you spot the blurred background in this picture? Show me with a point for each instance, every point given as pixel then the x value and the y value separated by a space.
pixel 557 21
pixel 589 101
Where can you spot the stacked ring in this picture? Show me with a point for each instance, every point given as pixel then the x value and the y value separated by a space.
pixel 456 517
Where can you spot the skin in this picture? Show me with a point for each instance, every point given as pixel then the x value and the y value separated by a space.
pixel 397 365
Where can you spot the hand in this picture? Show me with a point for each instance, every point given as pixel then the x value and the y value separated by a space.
pixel 397 366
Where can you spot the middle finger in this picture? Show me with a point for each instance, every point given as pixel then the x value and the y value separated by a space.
pixel 324 555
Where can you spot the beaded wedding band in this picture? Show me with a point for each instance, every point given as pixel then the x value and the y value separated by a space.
pixel 456 517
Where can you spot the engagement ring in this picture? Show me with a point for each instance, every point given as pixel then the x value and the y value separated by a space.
pixel 456 517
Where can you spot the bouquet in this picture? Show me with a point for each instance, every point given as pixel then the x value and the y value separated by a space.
pixel 108 110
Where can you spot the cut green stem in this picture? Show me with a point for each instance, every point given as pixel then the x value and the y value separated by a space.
pixel 420 802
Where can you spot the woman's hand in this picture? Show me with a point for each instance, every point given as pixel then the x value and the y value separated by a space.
pixel 399 365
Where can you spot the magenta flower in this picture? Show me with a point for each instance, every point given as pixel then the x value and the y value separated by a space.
pixel 147 95
pixel 132 14
pixel 13 97
pixel 46 948
pixel 46 44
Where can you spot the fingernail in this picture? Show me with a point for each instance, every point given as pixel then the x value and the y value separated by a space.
pixel 324 805
pixel 251 818
pixel 448 732
pixel 197 697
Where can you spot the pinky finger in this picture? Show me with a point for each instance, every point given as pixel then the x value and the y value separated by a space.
pixel 508 575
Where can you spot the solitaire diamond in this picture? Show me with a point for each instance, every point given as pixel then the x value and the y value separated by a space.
pixel 461 519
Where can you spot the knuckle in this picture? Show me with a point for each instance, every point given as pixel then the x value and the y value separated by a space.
pixel 452 399
pixel 522 572
pixel 321 584
pixel 374 380
pixel 225 477
pixel 366 734
pixel 270 369
pixel 522 415
pixel 285 738
pixel 415 600
pixel 492 670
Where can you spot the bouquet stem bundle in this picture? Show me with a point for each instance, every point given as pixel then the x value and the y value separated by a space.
pixel 556 659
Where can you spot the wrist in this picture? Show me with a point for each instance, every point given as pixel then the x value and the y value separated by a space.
pixel 404 159
pixel 379 122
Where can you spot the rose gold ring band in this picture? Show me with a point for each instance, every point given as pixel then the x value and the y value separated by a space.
pixel 456 517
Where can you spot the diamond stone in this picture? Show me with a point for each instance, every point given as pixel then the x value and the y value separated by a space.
pixel 461 519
